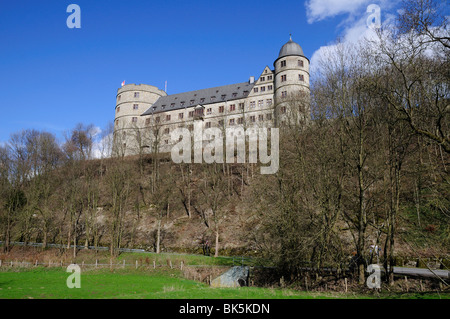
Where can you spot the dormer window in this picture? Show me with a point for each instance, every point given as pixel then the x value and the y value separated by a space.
pixel 202 100
pixel 163 106
pixel 191 102
pixel 245 92
pixel 182 103
pixel 234 94
pixel 172 104
pixel 223 96
pixel 213 98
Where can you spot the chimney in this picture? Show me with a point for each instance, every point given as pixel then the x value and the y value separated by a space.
pixel 251 80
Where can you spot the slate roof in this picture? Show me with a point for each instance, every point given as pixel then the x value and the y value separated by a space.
pixel 290 48
pixel 200 97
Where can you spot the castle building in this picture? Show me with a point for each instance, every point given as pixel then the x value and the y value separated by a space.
pixel 145 115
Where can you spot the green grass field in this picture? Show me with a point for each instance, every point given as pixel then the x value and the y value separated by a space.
pixel 50 283
pixel 47 283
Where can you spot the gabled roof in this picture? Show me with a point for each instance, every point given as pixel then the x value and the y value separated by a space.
pixel 200 97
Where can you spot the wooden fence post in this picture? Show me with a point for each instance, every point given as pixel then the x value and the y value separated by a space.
pixel 154 264
pixel 124 264
pixel 136 264
pixel 96 263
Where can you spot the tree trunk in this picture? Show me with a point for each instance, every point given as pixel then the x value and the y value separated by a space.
pixel 158 237
pixel 216 253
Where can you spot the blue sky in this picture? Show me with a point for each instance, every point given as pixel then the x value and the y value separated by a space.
pixel 53 77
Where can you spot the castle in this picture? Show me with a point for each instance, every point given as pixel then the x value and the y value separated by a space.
pixel 145 115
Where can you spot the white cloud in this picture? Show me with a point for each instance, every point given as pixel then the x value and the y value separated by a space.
pixel 354 25
pixel 317 10
pixel 102 146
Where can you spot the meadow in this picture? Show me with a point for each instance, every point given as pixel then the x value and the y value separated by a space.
pixel 103 283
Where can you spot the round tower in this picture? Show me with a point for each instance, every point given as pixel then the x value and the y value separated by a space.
pixel 291 83
pixel 131 101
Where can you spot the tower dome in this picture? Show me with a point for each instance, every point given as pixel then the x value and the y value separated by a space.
pixel 290 48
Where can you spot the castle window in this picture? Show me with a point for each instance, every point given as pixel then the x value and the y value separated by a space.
pixel 269 77
pixel 166 142
pixel 283 109
pixel 260 117
pixel 134 119
pixel 157 119
pixel 136 94
pixel 283 63
pixel 191 127
pixel 209 111
pixel 269 102
pixel 118 109
pixel 191 114
pixel 147 121
pixel 269 117
pixel 208 124
pixel 166 131
pixel 283 78
pixel 261 103
pixel 301 78
pixel 240 120
pixel 180 115
pixel 252 119
pixel 117 122
pixel 300 63
pixel 221 109
pixel 168 117
pixel 269 88
pixel 263 78
pixel 255 90
pixel 231 122
pixel 263 88
pixel 252 104
pixel 241 106
pixel 232 107
pixel 118 98
pixel 284 94
pixel 221 122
